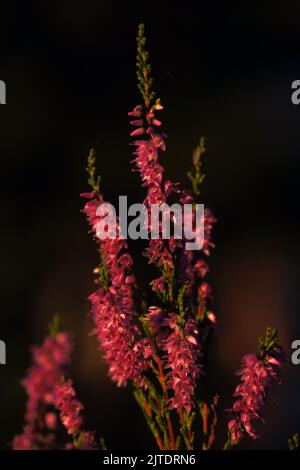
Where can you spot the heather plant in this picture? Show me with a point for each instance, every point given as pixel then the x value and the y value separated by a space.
pixel 158 348
pixel 52 398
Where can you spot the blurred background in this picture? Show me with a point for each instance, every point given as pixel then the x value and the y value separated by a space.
pixel 222 71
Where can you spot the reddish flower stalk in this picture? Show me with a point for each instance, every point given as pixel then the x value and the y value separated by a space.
pixel 113 307
pixel 159 252
pixel 193 268
pixel 70 408
pixel 117 335
pixel 258 372
pixel 183 352
pixel 47 390
pixel 49 364
pixel 182 361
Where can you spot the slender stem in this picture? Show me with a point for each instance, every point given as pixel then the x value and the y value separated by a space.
pixel 159 443
pixel 147 408
pixel 204 417
pixel 161 375
pixel 188 439
pixel 171 433
pixel 165 390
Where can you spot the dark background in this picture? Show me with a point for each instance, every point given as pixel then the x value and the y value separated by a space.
pixel 222 71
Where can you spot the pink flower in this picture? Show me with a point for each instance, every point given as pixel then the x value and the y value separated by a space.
pixel 204 291
pixel 26 440
pixel 191 266
pixel 158 284
pixel 51 420
pixel 182 361
pixel 118 334
pixel 156 320
pixel 113 310
pixel 146 161
pixel 137 122
pixel 138 131
pixel 137 111
pixel 212 317
pixel 158 253
pixel 258 375
pixel 209 220
pixel 46 387
pixel 170 187
pixel 201 268
pixel 151 171
pixel 49 364
pixel 69 407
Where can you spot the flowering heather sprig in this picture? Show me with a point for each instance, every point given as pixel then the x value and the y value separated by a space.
pixel 113 308
pixel 193 268
pixel 49 363
pixel 117 335
pixel 47 391
pixel 258 372
pixel 183 351
pixel 159 252
pixel 183 362
pixel 70 408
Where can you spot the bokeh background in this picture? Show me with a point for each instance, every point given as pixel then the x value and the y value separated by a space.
pixel 222 71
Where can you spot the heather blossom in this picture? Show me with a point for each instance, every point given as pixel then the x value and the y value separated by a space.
pixel 117 335
pixel 182 361
pixel 157 324
pixel 70 412
pixel 68 406
pixel 258 374
pixel 49 363
pixel 113 308
pixel 146 161
pixel 48 391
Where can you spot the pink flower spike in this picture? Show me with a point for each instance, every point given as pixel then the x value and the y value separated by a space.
pixel 68 406
pixel 183 361
pixel 49 364
pixel 258 375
